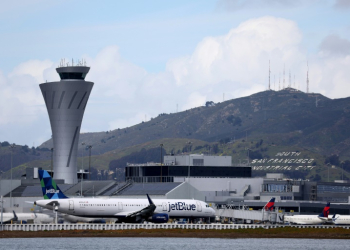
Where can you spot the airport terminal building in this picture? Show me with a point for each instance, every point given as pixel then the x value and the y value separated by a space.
pixel 199 180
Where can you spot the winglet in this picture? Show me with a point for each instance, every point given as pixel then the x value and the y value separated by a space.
pixel 15 218
pixel 149 200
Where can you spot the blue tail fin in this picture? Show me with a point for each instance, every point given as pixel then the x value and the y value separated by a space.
pixel 325 211
pixel 49 187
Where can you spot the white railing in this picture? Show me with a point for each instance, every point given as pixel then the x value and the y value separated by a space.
pixel 53 227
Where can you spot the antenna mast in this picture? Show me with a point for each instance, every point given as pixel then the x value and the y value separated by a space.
pixel 269 76
pixel 279 81
pixel 295 86
pixel 307 78
pixel 290 80
pixel 284 75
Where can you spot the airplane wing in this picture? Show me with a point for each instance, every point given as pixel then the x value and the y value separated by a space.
pixel 139 214
pixel 145 212
pixel 14 218
pixel 323 218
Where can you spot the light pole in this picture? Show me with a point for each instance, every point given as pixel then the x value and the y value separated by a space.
pixel 52 163
pixel 82 169
pixel 189 159
pixel 161 162
pixel 12 147
pixel 248 156
pixel 2 202
pixel 342 170
pixel 328 170
pixel 90 146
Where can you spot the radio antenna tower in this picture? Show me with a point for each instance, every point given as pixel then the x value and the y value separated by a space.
pixel 295 86
pixel 279 82
pixel 290 80
pixel 284 75
pixel 274 82
pixel 269 76
pixel 307 78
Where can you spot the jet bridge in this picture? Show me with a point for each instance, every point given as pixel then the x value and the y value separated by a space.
pixel 252 215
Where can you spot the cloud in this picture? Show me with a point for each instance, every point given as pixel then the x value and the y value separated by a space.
pixel 234 64
pixel 333 45
pixel 34 68
pixel 241 56
pixel 20 98
pixel 234 5
pixel 342 4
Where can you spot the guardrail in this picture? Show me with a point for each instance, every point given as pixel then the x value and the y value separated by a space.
pixel 53 227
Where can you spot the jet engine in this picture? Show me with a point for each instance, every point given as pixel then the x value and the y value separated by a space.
pixel 159 218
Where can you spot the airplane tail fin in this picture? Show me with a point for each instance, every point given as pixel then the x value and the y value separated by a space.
pixel 49 187
pixel 270 204
pixel 325 211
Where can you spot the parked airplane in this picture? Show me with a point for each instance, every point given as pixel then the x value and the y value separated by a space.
pixel 124 210
pixel 76 219
pixel 309 219
pixel 36 217
pixel 338 219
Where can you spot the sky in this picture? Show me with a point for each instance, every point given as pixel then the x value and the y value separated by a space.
pixel 152 57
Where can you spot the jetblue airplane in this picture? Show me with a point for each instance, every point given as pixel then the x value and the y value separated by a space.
pixel 123 210
pixel 309 219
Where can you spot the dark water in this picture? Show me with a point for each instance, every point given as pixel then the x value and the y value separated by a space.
pixel 170 243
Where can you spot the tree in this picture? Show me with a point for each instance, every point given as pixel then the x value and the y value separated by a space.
pixel 333 160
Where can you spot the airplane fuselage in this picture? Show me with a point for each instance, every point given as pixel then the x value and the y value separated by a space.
pixel 112 208
pixel 341 219
pixel 305 219
pixel 37 217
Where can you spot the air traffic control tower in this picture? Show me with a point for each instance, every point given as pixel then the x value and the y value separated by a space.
pixel 65 102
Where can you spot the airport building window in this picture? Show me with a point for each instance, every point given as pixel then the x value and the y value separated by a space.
pixel 72 75
pixel 276 188
pixel 334 189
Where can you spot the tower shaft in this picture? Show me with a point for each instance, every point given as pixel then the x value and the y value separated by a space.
pixel 66 101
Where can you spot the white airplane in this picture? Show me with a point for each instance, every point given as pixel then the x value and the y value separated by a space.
pixel 338 219
pixel 77 219
pixel 123 210
pixel 309 219
pixel 38 218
